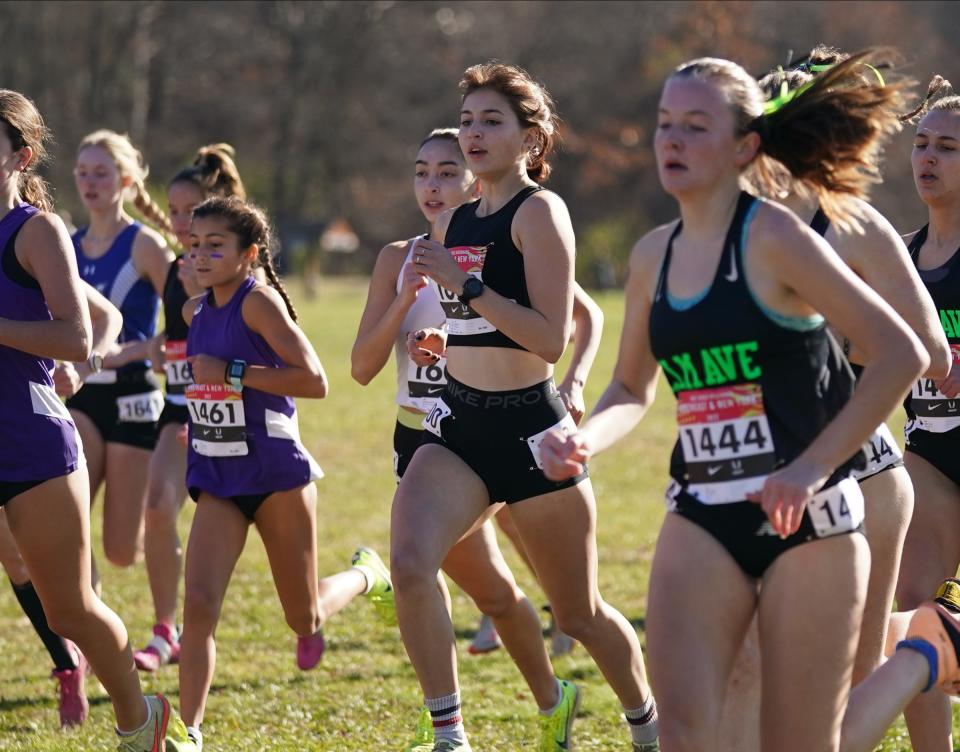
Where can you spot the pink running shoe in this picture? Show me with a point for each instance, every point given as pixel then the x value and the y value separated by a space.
pixel 310 650
pixel 162 649
pixel 74 707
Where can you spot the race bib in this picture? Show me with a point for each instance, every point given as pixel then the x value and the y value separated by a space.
pixel 176 366
pixel 726 441
pixel 461 318
pixel 425 384
pixel 881 450
pixel 838 509
pixel 435 416
pixel 218 425
pixel 566 426
pixel 140 408
pixel 934 411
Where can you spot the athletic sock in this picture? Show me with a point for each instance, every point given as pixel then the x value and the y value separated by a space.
pixel 140 728
pixel 195 735
pixel 445 714
pixel 643 722
pixel 367 575
pixel 552 710
pixel 61 655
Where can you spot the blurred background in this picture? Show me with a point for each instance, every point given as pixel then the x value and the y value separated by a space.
pixel 325 102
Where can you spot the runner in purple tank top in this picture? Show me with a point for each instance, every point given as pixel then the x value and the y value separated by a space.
pixel 43 475
pixel 245 461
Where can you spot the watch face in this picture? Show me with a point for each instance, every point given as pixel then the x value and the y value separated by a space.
pixel 96 362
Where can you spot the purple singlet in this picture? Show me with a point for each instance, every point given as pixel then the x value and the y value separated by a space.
pixel 242 442
pixel 38 440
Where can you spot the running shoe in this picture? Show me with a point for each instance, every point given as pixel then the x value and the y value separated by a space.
pixel 379 588
pixel 936 625
pixel 948 595
pixel 442 745
pixel 555 728
pixel 423 733
pixel 653 746
pixel 73 704
pixel 193 743
pixel 486 640
pixel 310 650
pixel 163 648
pixel 164 731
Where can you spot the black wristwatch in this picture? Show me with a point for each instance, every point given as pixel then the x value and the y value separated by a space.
pixel 234 373
pixel 472 288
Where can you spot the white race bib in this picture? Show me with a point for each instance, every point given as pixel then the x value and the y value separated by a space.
pixel 461 318
pixel 881 450
pixel 425 384
pixel 218 425
pixel 435 416
pixel 566 426
pixel 178 370
pixel 726 441
pixel 934 411
pixel 140 408
pixel 838 509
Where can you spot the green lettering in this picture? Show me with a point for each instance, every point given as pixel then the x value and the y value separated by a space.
pixel 747 367
pixel 945 323
pixel 690 376
pixel 719 365
pixel 711 371
pixel 954 319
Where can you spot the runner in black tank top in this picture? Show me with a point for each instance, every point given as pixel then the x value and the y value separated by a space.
pixel 878 256
pixel 931 550
pixel 212 173
pixel 763 414
pixel 503 271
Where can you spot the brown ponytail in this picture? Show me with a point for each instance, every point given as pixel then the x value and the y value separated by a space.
pixel 939 96
pixel 24 126
pixel 251 226
pixel 824 138
pixel 214 172
pixel 529 101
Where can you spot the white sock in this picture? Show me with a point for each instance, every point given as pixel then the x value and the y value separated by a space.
pixel 643 721
pixel 559 699
pixel 145 723
pixel 367 575
pixel 195 736
pixel 445 714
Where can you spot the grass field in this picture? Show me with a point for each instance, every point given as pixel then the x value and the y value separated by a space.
pixel 364 695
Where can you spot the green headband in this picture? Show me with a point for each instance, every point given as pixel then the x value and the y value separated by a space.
pixel 787 95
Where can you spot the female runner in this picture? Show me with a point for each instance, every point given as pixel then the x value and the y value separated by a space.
pixel 43 478
pixel 213 173
pixel 726 302
pixel 933 426
pixel 506 288
pixel 403 312
pixel 245 462
pixel 117 408
pixel 878 256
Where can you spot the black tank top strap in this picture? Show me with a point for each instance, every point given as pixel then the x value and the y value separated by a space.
pixel 12 266
pixel 665 263
pixel 820 223
pixel 917 241
pixel 730 268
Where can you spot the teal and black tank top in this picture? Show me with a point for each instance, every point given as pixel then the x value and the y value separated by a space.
pixel 754 388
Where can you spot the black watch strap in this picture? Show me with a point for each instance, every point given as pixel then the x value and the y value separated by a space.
pixel 472 288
